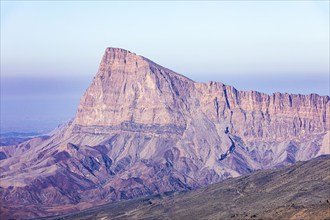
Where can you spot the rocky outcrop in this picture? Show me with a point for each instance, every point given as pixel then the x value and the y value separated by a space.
pixel 130 88
pixel 142 129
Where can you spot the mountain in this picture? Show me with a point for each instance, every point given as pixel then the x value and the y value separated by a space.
pixel 14 138
pixel 141 129
pixel 299 191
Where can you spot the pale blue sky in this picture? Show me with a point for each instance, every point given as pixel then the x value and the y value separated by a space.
pixel 261 45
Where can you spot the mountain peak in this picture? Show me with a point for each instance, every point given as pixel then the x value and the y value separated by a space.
pixel 116 53
pixel 125 61
pixel 117 57
pixel 132 88
pixel 117 50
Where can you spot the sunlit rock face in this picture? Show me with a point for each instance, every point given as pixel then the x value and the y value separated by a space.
pixel 142 129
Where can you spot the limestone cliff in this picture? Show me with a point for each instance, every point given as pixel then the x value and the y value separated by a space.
pixel 130 88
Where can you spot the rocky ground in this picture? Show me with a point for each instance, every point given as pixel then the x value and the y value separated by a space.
pixel 300 191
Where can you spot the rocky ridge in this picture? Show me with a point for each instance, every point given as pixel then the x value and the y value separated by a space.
pixel 142 129
pixel 299 191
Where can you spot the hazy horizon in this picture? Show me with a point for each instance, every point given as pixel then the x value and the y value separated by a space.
pixel 50 51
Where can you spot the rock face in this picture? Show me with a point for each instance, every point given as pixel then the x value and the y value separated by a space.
pixel 130 88
pixel 142 129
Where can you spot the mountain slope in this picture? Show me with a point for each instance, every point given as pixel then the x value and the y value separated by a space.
pixel 299 191
pixel 142 129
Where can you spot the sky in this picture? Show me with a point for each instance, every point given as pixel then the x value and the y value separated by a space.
pixel 50 50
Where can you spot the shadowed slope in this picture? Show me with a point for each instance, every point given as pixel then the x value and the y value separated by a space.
pixel 300 191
